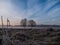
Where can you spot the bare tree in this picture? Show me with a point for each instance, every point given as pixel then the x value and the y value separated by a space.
pixel 23 22
pixel 31 23
pixel 8 22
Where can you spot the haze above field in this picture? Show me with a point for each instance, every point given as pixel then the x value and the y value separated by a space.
pixel 42 11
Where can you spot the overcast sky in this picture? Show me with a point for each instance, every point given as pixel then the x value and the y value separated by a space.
pixel 42 11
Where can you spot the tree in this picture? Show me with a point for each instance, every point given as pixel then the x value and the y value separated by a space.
pixel 31 23
pixel 51 29
pixel 23 22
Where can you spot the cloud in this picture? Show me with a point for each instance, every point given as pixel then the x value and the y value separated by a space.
pixel 45 14
pixel 42 11
pixel 7 10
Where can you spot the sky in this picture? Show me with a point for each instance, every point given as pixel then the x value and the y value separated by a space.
pixel 41 11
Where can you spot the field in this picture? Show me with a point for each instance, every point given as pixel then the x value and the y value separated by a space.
pixel 48 36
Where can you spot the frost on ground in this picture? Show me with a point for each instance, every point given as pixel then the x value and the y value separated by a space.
pixel 34 37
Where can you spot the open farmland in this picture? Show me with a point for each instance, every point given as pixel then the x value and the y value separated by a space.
pixel 31 36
